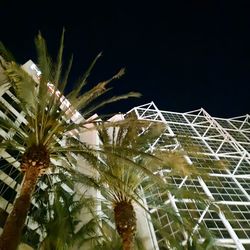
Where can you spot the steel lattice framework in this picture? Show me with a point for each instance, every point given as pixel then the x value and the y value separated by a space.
pixel 227 140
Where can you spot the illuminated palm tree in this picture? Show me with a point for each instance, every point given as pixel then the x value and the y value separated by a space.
pixel 130 163
pixel 124 163
pixel 49 118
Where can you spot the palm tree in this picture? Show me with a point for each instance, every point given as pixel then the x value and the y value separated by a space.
pixel 124 163
pixel 48 114
pixel 129 162
pixel 56 214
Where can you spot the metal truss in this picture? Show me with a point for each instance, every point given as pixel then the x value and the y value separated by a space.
pixel 227 140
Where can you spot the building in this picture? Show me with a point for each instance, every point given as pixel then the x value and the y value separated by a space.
pixel 216 139
pixel 227 140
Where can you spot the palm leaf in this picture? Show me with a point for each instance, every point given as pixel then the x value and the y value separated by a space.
pixel 5 53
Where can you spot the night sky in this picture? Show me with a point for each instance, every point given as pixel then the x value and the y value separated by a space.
pixel 183 55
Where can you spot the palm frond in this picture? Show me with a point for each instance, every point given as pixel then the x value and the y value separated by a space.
pixel 90 110
pixel 24 86
pixel 64 81
pixel 5 53
pixel 58 67
pixel 76 92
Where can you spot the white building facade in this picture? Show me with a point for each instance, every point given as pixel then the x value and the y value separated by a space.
pixel 226 140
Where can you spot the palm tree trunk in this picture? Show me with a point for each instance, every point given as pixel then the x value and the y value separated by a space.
pixel 128 243
pixel 125 220
pixel 12 231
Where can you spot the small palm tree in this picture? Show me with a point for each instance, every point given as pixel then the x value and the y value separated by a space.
pixel 56 215
pixel 48 119
pixel 124 163
pixel 128 160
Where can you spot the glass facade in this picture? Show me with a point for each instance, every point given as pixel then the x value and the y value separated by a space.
pixel 216 140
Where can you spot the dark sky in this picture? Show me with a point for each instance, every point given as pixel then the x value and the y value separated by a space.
pixel 182 55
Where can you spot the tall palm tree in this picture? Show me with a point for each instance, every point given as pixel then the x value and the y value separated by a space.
pixel 48 119
pixel 124 163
